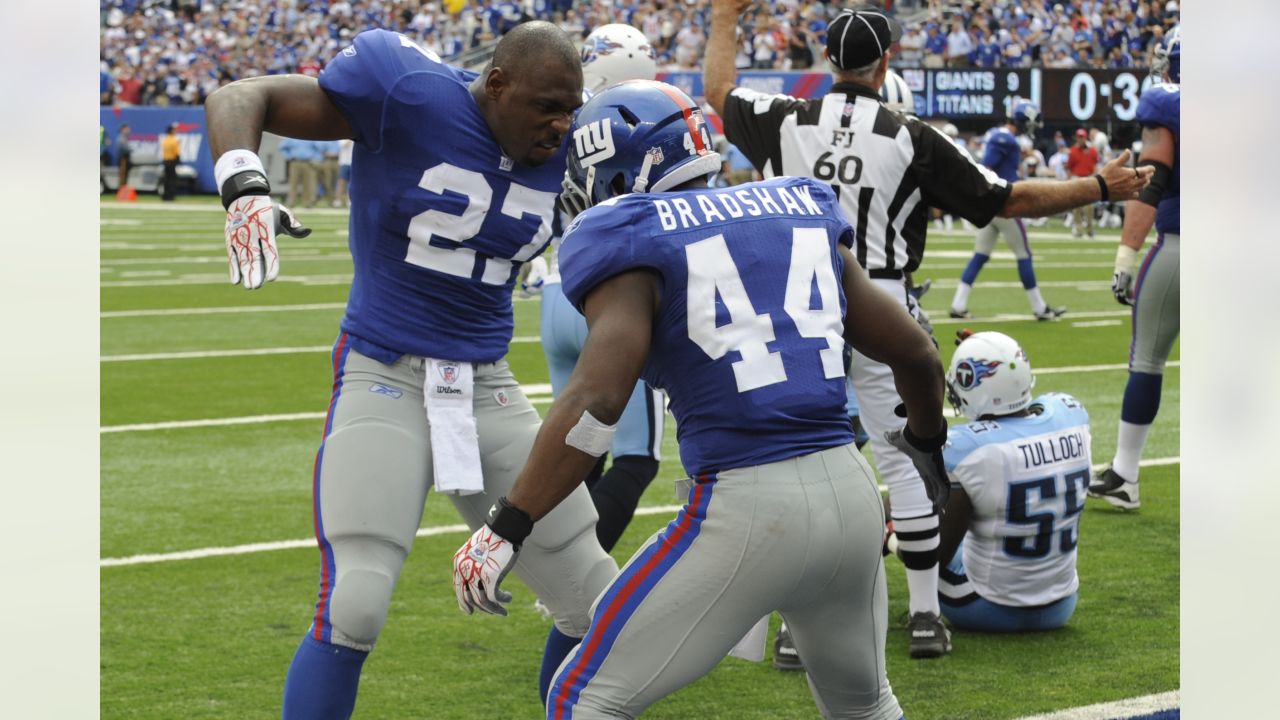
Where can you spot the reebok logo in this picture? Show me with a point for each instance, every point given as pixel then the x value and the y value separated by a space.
pixel 923 633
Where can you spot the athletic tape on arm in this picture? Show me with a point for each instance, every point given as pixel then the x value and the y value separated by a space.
pixel 590 435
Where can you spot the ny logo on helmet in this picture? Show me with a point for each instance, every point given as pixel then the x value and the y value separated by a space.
pixel 593 143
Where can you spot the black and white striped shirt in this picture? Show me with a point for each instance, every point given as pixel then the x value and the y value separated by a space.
pixel 887 168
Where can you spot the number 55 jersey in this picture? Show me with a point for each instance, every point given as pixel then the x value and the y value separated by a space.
pixel 748 339
pixel 1026 478
pixel 440 218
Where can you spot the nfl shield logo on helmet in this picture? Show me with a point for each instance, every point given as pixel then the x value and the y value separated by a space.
pixel 449 372
pixel 655 155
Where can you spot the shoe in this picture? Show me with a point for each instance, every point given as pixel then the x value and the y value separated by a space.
pixel 1050 313
pixel 929 635
pixel 961 314
pixel 1110 486
pixel 785 656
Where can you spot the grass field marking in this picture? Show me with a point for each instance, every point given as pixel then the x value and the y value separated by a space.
pixel 201 354
pixel 1127 708
pixel 250 548
pixel 1027 317
pixel 538 393
pixel 1096 323
pixel 173 312
pixel 214 259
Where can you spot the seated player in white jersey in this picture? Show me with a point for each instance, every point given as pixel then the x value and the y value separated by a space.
pixel 1019 471
pixel 611 54
pixel 738 302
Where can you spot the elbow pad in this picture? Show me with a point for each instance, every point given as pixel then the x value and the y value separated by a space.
pixel 1159 181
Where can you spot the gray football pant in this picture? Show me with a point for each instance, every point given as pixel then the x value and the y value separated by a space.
pixel 801 536
pixel 1157 308
pixel 373 472
pixel 1015 236
pixel 877 397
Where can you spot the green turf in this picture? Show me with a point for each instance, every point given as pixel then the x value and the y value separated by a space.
pixel 211 638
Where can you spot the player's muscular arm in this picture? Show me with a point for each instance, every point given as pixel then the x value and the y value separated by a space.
pixel 953 524
pixel 878 327
pixel 289 105
pixel 1038 198
pixel 718 71
pixel 1140 214
pixel 620 314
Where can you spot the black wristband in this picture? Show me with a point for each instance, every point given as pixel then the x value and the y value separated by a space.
pixel 510 522
pixel 1106 194
pixel 929 444
pixel 249 182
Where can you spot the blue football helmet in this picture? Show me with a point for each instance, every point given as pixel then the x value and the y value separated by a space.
pixel 1026 116
pixel 1166 56
pixel 639 136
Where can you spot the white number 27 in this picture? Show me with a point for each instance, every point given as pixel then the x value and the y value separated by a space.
pixel 712 271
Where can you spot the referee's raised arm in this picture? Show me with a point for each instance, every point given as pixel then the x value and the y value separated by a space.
pixel 718 72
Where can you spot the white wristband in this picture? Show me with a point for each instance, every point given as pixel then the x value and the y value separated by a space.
pixel 1126 258
pixel 233 162
pixel 590 435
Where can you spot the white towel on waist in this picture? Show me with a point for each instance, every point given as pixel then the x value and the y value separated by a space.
pixel 448 392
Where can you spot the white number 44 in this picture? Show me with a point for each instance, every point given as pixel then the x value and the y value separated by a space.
pixel 712 271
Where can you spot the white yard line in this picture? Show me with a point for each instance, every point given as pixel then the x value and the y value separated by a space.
pixel 1119 709
pixel 1027 316
pixel 538 393
pixel 1096 323
pixel 171 312
pixel 422 532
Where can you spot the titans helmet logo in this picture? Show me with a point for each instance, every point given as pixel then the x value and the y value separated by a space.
pixel 970 372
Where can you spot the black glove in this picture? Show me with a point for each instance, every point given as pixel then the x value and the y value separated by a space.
pixel 926 455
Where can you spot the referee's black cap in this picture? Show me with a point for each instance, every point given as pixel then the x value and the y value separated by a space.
pixel 859 36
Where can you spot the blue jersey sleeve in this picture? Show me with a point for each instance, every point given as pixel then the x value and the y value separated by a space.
pixel 1160 106
pixel 359 79
pixel 999 145
pixel 597 246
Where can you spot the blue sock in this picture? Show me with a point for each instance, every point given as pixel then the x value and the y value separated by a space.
pixel 1141 398
pixel 1026 273
pixel 322 681
pixel 558 648
pixel 973 268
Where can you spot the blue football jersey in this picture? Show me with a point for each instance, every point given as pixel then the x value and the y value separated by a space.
pixel 440 218
pixel 748 340
pixel 1002 154
pixel 1160 106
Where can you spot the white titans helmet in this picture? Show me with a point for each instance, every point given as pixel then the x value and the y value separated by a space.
pixel 614 53
pixel 989 375
pixel 896 94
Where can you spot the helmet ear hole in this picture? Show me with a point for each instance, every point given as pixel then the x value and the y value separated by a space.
pixel 618 185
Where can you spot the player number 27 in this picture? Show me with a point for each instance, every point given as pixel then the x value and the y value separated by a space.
pixel 712 271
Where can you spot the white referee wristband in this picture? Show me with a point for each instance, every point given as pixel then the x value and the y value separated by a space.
pixel 234 162
pixel 590 435
pixel 1126 258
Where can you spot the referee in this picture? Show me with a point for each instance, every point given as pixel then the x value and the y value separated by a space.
pixel 887 169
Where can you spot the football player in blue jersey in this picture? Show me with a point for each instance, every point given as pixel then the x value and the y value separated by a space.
pixel 454 177
pixel 1019 472
pixel 611 54
pixel 738 302
pixel 1004 156
pixel 1154 293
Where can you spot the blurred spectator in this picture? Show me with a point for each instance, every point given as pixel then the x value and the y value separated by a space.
pixel 302 157
pixel 179 51
pixel 124 153
pixel 170 151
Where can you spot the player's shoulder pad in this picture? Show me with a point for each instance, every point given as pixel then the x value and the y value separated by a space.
pixel 1063 405
pixel 1160 105
pixel 387 55
pixel 598 244
pixel 963 440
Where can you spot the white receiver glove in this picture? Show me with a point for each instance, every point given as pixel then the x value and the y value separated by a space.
pixel 479 567
pixel 1122 278
pixel 253 222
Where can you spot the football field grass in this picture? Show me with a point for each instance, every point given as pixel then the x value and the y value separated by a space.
pixel 212 403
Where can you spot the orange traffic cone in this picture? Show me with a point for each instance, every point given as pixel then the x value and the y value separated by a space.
pixel 126 193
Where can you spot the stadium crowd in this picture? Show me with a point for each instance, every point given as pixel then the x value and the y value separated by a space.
pixel 176 52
